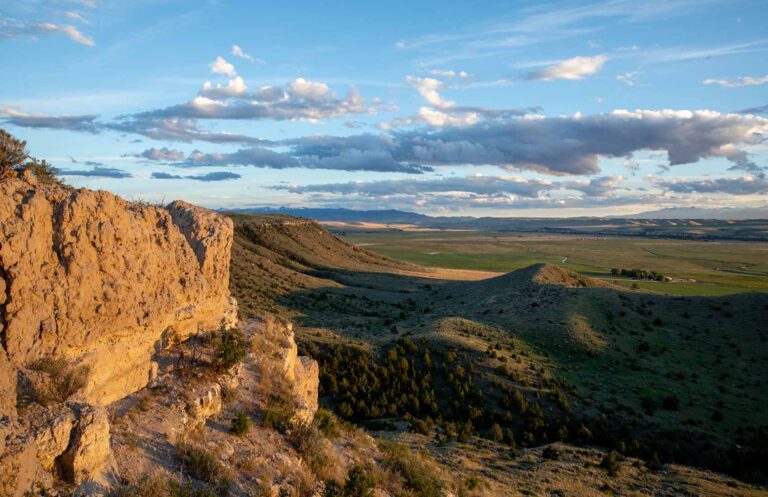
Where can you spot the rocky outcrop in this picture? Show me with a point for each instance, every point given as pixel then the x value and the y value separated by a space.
pixel 90 282
pixel 107 283
pixel 88 458
pixel 301 371
pixel 307 383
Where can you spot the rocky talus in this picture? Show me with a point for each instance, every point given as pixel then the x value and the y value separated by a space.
pixel 92 290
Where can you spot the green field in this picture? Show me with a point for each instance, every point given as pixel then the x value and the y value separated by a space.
pixel 698 267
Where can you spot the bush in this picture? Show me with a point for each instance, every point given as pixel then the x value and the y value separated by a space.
pixel 611 463
pixel 200 463
pixel 671 403
pixel 327 423
pixel 64 379
pixel 359 483
pixel 159 487
pixel 550 452
pixel 419 477
pixel 241 423
pixel 231 348
pixel 278 418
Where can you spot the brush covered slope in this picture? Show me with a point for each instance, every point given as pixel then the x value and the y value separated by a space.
pixel 525 359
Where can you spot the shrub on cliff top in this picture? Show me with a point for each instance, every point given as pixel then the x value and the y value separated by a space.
pixel 231 348
pixel 64 378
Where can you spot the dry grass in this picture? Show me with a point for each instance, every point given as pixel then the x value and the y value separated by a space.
pixel 63 379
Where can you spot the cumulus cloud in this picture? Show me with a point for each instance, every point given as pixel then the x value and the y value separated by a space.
pixel 183 130
pixel 474 184
pixel 446 112
pixel 345 160
pixel 310 90
pixel 163 154
pixel 486 185
pixel 83 123
pixel 299 100
pixel 221 66
pixel 213 176
pixel 14 28
pixel 235 88
pixel 744 185
pixel 745 81
pixel 557 145
pixel 96 172
pixel 575 68
pixel 428 89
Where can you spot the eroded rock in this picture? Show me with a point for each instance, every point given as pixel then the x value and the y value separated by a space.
pixel 88 459
pixel 107 283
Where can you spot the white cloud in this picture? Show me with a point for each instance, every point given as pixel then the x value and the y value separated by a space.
pixel 75 16
pixel 235 88
pixel 428 89
pixel 221 66
pixel 13 28
pixel 559 145
pixel 435 117
pixel 163 154
pixel 744 81
pixel 449 73
pixel 239 52
pixel 308 89
pixel 575 68
pixel 629 78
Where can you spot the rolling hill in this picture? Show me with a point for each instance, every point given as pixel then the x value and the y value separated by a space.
pixel 538 355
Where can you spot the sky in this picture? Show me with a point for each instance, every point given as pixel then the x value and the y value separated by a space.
pixel 480 108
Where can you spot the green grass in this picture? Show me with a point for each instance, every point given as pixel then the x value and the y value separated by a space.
pixel 714 268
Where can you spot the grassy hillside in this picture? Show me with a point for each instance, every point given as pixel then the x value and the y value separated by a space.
pixel 535 356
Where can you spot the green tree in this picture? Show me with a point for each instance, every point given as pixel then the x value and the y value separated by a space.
pixel 497 435
pixel 13 152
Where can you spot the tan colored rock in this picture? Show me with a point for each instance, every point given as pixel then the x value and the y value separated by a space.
pixel 105 282
pixel 7 387
pixel 51 429
pixel 307 382
pixel 302 372
pixel 20 473
pixel 88 459
pixel 206 401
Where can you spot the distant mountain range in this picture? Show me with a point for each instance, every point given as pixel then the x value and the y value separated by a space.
pixel 386 216
pixel 394 216
pixel 685 223
pixel 700 213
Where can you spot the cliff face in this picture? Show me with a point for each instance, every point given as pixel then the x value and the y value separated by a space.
pixel 107 283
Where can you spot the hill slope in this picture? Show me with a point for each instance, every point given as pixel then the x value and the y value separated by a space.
pixel 543 353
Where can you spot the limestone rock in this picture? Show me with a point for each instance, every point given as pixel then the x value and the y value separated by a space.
pixel 105 282
pixel 7 385
pixel 51 429
pixel 20 472
pixel 303 372
pixel 307 382
pixel 88 459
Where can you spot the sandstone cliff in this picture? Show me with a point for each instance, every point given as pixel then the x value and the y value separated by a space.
pixel 93 288
pixel 107 283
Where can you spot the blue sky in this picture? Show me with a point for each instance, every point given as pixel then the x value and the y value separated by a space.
pixel 456 108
